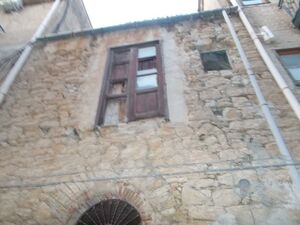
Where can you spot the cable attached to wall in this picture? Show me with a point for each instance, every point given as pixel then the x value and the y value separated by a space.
pixel 63 18
pixel 8 62
pixel 2 29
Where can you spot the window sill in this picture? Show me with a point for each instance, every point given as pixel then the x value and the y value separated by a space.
pixel 161 119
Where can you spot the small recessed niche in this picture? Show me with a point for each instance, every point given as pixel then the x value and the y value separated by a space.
pixel 244 186
pixel 216 60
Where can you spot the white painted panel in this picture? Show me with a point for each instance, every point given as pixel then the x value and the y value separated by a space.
pixel 175 80
pixel 146 82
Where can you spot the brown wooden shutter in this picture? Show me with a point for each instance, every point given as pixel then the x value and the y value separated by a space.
pixel 146 100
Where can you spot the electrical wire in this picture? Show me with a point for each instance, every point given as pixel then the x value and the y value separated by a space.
pixel 2 29
pixel 8 62
pixel 151 174
pixel 10 57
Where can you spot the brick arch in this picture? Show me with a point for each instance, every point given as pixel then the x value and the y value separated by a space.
pixel 121 191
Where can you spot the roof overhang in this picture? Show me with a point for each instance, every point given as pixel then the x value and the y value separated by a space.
pixel 205 15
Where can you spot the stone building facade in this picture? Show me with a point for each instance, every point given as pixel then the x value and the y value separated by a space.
pixel 210 159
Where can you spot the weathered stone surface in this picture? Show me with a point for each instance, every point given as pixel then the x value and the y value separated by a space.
pixel 226 197
pixel 42 214
pixel 247 124
pixel 225 179
pixel 205 212
pixel 243 215
pixel 193 195
pixel 226 219
pixel 232 114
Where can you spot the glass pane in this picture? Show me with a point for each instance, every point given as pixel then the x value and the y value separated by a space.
pixel 252 2
pixel 147 52
pixel 291 60
pixel 145 72
pixel 295 73
pixel 146 82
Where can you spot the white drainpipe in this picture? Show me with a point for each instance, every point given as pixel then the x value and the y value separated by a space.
pixel 268 61
pixel 264 106
pixel 13 73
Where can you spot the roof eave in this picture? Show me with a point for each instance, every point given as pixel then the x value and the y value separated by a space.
pixel 212 14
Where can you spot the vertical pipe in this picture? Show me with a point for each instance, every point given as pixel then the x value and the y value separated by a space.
pixel 13 73
pixel 264 106
pixel 200 5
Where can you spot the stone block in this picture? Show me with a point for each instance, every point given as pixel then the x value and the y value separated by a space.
pixel 226 219
pixel 193 195
pixel 247 124
pixel 42 213
pixel 205 212
pixel 226 197
pixel 243 214
pixel 231 114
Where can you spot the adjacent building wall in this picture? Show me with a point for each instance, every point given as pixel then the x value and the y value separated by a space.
pixel 71 16
pixel 279 21
pixel 20 26
pixel 286 35
pixel 214 163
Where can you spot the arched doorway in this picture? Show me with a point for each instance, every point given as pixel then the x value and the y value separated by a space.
pixel 111 212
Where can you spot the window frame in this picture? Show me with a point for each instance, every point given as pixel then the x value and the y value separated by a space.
pixel 288 51
pixel 132 90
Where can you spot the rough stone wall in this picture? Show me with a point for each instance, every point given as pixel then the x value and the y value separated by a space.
pixel 216 166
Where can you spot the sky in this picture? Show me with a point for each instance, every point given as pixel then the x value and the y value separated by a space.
pixel 105 13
